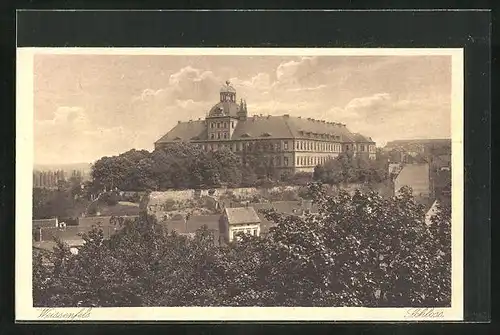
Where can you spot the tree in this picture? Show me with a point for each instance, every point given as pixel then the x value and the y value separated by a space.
pixel 350 168
pixel 359 250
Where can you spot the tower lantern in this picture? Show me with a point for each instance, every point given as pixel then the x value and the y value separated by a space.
pixel 227 92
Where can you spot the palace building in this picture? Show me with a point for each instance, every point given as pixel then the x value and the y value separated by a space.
pixel 293 144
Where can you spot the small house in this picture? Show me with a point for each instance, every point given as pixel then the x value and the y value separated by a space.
pixel 239 220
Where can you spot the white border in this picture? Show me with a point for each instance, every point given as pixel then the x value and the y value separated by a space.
pixel 24 182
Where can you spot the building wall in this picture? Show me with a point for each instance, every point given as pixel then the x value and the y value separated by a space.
pixel 250 228
pixel 218 126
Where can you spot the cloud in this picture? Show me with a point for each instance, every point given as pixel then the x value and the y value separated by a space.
pixel 293 72
pixel 384 118
pixel 72 135
pixel 305 89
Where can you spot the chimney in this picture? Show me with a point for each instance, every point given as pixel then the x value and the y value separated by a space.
pixel 199 119
pixel 268 116
pixel 178 122
pixel 286 115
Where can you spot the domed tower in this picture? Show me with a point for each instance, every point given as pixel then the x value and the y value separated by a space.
pixel 224 116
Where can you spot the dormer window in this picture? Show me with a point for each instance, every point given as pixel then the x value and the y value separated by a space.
pixel 245 135
pixel 266 134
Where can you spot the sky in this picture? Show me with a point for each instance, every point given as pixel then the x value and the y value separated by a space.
pixel 89 106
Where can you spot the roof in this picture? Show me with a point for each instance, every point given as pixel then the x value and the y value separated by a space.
pixel 186 131
pixel 90 221
pixel 269 126
pixel 259 126
pixel 241 215
pixel 225 108
pixel 414 175
pixel 400 143
pixel 441 160
pixel 194 223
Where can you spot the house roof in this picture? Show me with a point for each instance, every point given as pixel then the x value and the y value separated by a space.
pixel 194 223
pixel 255 127
pixel 241 215
pixel 414 175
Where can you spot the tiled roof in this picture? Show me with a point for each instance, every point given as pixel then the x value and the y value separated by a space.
pixel 270 126
pixel 256 126
pixel 186 131
pixel 241 215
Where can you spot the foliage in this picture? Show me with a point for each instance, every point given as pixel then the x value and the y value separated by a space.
pixel 359 250
pixel 350 168
pixel 64 202
pixel 177 166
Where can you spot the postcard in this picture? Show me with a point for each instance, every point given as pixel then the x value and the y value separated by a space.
pixel 239 184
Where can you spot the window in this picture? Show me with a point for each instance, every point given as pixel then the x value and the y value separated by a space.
pixel 297 145
pixel 301 145
pixel 285 145
pixel 225 124
pixel 218 136
pixel 278 160
pixel 212 136
pixel 225 135
pixel 298 160
pixel 254 232
pixel 212 125
pixel 232 124
pixel 218 124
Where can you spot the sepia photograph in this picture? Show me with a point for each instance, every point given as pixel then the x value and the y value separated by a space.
pixel 325 182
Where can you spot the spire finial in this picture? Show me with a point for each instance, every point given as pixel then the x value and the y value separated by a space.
pixel 228 82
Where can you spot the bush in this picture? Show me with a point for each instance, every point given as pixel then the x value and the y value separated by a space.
pixel 109 198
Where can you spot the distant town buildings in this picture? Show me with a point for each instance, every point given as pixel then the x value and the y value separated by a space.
pixel 51 179
pixel 291 144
